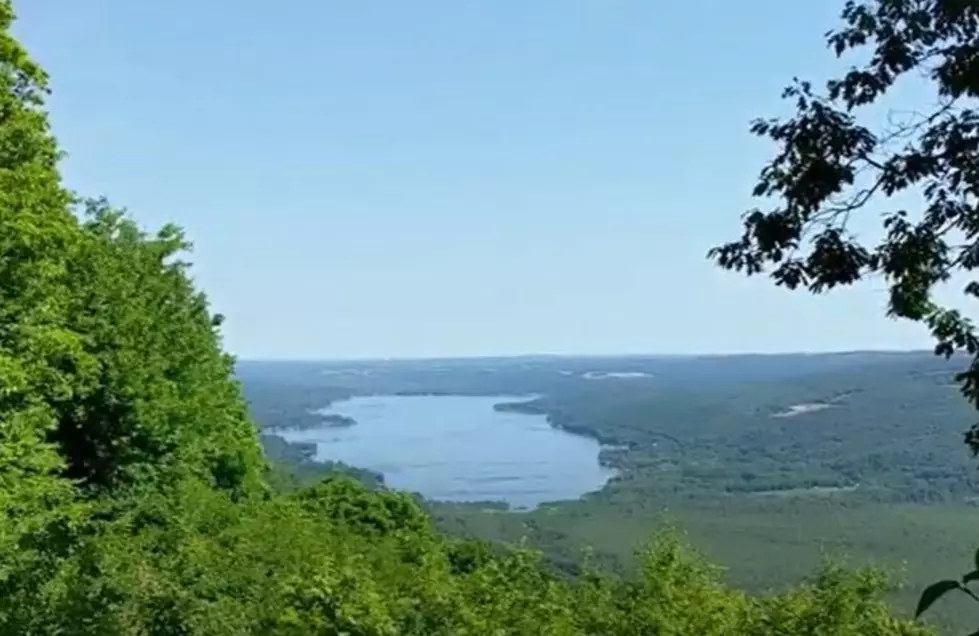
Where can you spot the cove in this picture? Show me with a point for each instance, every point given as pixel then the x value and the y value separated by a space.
pixel 458 448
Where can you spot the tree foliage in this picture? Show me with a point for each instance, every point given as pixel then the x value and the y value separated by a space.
pixel 191 560
pixel 162 397
pixel 831 164
pixel 919 171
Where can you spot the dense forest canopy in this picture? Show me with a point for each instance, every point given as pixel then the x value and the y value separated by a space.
pixel 134 497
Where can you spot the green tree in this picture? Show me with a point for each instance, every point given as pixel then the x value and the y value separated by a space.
pixel 39 358
pixel 830 165
pixel 164 398
pixel 919 172
pixel 111 374
pixel 106 349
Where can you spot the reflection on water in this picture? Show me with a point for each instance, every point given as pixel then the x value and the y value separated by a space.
pixel 455 448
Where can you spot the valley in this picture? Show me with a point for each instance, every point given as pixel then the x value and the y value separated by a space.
pixel 769 464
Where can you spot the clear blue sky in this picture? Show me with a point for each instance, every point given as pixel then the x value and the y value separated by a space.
pixel 451 177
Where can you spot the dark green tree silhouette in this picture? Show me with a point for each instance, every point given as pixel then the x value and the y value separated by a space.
pixel 918 171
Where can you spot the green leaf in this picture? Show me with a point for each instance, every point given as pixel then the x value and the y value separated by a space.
pixel 970 577
pixel 934 592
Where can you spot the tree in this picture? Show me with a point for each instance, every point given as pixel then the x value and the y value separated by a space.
pixel 38 236
pixel 164 397
pixel 111 369
pixel 111 372
pixel 831 164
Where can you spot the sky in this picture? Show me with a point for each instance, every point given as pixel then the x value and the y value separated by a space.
pixel 455 177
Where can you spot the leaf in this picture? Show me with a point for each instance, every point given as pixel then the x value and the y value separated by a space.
pixel 970 577
pixel 934 592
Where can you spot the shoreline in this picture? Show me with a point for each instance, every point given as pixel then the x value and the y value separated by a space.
pixel 526 404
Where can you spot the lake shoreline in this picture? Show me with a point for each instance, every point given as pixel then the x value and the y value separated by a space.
pixel 480 438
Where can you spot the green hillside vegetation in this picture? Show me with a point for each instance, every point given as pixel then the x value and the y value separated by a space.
pixel 134 495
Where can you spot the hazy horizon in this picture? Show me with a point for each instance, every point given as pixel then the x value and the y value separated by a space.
pixel 516 356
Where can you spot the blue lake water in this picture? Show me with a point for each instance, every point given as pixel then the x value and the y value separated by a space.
pixel 457 448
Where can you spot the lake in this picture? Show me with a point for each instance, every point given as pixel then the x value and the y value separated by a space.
pixel 457 448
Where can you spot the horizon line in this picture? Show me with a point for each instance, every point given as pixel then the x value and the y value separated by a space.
pixel 518 356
